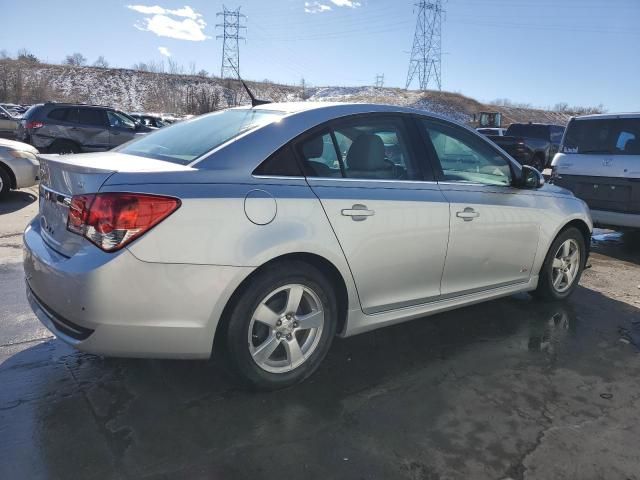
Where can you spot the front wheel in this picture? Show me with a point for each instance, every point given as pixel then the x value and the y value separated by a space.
pixel 5 182
pixel 562 266
pixel 281 326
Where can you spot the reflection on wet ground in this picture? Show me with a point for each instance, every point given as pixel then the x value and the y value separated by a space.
pixel 481 392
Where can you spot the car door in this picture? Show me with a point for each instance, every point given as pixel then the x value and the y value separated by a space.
pixel 391 221
pixel 494 226
pixel 121 128
pixel 93 133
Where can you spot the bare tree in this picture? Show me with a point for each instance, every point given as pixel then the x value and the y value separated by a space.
pixel 203 73
pixel 101 62
pixel 192 68
pixel 75 59
pixel 25 55
pixel 4 55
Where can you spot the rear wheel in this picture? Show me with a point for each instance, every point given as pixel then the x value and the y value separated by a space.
pixel 5 181
pixel 562 266
pixel 281 327
pixel 64 147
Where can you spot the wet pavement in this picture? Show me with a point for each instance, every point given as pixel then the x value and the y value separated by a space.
pixel 512 388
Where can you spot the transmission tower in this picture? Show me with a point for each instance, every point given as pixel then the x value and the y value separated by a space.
pixel 426 54
pixel 380 81
pixel 231 27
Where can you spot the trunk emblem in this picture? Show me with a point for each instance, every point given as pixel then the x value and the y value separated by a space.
pixel 607 162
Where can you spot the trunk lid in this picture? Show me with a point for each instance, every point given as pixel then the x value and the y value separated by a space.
pixel 63 176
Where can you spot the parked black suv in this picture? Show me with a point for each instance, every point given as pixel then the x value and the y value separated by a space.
pixel 70 128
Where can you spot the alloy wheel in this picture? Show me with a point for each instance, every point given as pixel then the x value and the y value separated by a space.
pixel 286 328
pixel 566 265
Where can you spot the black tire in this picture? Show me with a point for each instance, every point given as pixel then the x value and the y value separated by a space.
pixel 63 147
pixel 5 182
pixel 238 358
pixel 546 289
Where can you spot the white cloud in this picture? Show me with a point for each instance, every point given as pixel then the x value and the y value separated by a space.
pixel 164 51
pixel 182 24
pixel 346 3
pixel 316 7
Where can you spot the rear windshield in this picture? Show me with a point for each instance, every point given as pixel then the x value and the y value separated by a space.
pixel 183 142
pixel 610 136
pixel 531 131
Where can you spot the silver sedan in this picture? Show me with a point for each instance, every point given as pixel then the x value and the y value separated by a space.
pixel 18 165
pixel 259 234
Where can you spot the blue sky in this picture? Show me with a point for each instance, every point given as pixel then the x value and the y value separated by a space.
pixel 583 52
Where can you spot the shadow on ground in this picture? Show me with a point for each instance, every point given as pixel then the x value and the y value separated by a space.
pixel 16 200
pixel 465 394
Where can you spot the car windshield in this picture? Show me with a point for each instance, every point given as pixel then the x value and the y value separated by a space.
pixel 611 136
pixel 531 131
pixel 184 142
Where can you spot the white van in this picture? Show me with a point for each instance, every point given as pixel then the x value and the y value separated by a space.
pixel 599 161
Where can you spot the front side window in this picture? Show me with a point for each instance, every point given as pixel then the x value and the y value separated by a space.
pixel 367 149
pixel 466 158
pixel 556 134
pixel 184 142
pixel 117 120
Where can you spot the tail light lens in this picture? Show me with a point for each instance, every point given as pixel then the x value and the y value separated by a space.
pixel 34 124
pixel 112 220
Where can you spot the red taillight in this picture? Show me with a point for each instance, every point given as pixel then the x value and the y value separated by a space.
pixel 34 124
pixel 112 220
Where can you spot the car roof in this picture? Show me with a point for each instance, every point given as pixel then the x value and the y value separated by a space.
pixel 608 116
pixel 339 108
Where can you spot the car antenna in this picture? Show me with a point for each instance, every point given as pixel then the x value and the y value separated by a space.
pixel 254 101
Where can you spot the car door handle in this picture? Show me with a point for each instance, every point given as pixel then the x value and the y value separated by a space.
pixel 358 212
pixel 467 214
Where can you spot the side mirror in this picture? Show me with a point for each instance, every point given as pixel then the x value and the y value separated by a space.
pixel 531 178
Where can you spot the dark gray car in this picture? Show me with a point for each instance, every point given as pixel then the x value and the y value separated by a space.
pixel 70 128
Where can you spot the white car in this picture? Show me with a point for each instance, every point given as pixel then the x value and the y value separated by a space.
pixel 599 160
pixel 19 166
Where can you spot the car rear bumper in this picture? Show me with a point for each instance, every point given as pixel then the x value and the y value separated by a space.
pixel 117 305
pixel 603 218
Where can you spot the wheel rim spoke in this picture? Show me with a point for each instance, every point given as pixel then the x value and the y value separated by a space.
pixel 294 353
pixel 312 320
pixel 294 298
pixel 286 328
pixel 557 263
pixel 566 246
pixel 265 315
pixel 557 280
pixel 266 349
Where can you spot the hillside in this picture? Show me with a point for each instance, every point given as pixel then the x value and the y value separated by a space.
pixel 133 90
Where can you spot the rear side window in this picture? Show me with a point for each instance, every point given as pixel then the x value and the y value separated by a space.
pixel 68 114
pixel 609 136
pixel 362 148
pixel 556 134
pixel 58 114
pixel 283 163
pixel 91 116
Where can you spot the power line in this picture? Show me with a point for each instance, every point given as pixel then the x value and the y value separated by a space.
pixel 231 27
pixel 426 54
